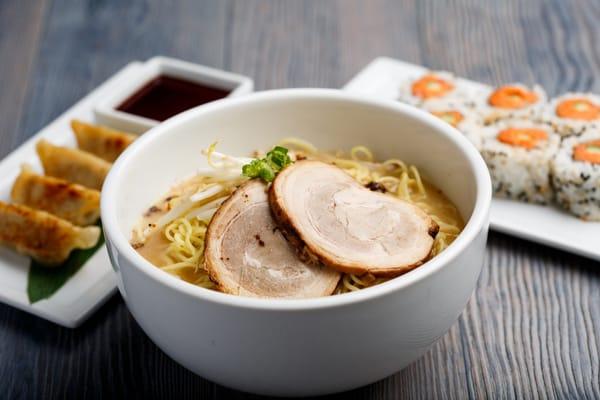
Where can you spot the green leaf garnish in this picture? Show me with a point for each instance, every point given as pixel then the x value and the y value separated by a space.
pixel 43 281
pixel 268 167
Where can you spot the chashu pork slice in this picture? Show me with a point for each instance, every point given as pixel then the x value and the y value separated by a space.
pixel 247 255
pixel 334 220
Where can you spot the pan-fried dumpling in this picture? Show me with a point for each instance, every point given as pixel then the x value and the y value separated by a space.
pixel 101 141
pixel 72 165
pixel 75 203
pixel 41 235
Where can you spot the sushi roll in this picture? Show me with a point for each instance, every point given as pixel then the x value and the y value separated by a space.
pixel 573 113
pixel 511 101
pixel 460 116
pixel 518 155
pixel 576 175
pixel 431 86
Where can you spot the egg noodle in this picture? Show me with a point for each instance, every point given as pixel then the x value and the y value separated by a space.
pixel 192 205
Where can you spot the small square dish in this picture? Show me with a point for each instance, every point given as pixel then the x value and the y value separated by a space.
pixel 164 87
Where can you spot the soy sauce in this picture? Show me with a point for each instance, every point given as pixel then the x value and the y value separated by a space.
pixel 165 96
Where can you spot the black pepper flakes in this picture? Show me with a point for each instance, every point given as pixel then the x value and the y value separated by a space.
pixel 376 187
pixel 261 243
pixel 151 210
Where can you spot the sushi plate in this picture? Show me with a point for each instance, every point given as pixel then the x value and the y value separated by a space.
pixel 95 282
pixel 548 225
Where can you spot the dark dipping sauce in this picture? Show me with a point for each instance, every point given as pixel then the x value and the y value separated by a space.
pixel 165 96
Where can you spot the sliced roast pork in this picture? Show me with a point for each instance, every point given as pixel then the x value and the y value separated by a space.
pixel 333 220
pixel 247 255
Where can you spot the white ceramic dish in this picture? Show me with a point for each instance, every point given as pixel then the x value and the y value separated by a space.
pixel 106 110
pixel 548 225
pixel 95 281
pixel 297 347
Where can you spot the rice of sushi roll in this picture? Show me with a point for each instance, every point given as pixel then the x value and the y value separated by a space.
pixel 460 116
pixel 573 113
pixel 511 101
pixel 431 86
pixel 518 153
pixel 576 175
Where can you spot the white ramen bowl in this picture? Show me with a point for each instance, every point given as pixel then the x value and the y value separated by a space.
pixel 298 347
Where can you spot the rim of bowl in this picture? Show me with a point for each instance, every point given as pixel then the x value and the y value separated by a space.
pixel 477 220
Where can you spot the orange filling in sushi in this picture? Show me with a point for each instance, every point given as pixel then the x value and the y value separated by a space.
pixel 578 108
pixel 588 152
pixel 512 97
pixel 452 117
pixel 522 137
pixel 431 86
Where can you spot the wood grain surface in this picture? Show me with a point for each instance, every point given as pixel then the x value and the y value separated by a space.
pixel 531 329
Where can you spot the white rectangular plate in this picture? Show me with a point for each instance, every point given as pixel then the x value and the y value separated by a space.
pixel 85 291
pixel 548 225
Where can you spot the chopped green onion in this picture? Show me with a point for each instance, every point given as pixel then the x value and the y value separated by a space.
pixel 592 148
pixel 267 168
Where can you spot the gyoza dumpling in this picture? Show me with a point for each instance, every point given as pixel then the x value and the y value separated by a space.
pixel 72 165
pixel 75 203
pixel 101 141
pixel 41 235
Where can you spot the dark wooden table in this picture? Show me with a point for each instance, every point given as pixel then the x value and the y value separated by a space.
pixel 532 328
